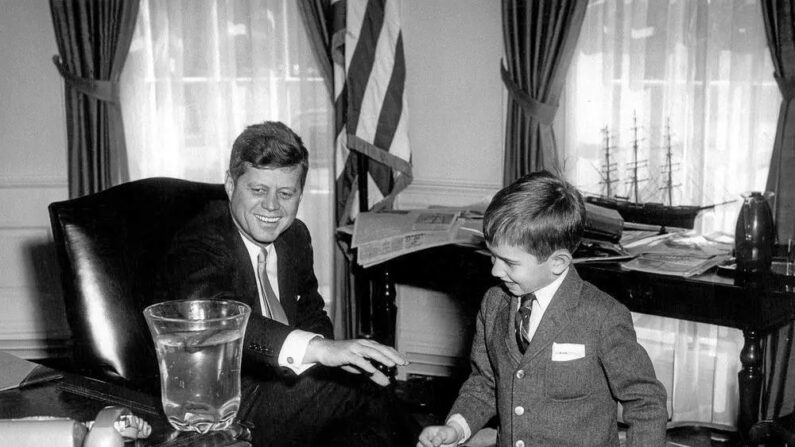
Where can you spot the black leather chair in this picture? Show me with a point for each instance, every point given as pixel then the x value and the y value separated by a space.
pixel 109 245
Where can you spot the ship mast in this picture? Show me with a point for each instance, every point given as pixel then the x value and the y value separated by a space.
pixel 609 168
pixel 669 165
pixel 635 164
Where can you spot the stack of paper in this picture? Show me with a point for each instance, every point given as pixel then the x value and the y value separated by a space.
pixel 381 236
pixel 679 254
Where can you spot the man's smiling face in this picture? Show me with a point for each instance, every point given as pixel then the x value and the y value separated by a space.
pixel 264 201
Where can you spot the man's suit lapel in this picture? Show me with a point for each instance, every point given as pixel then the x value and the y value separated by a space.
pixel 246 288
pixel 557 316
pixel 287 267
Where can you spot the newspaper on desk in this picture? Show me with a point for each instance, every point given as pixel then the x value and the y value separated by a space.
pixel 381 236
pixel 682 254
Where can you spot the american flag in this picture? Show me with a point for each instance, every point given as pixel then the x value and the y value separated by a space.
pixel 370 103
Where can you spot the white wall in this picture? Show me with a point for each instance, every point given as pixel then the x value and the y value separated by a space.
pixel 456 104
pixel 455 100
pixel 32 174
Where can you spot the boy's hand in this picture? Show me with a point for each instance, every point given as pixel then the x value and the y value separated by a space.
pixel 439 436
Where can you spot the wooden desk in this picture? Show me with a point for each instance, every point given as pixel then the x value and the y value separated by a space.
pixel 756 306
pixel 81 398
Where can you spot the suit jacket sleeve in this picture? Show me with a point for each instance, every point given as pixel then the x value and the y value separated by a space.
pixel 632 380
pixel 477 401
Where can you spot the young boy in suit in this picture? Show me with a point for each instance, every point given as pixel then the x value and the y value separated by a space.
pixel 552 355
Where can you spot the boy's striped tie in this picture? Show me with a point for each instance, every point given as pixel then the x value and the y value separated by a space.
pixel 522 321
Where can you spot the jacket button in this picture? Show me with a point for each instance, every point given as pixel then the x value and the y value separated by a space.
pixel 518 411
pixel 520 374
pixel 290 360
pixel 519 443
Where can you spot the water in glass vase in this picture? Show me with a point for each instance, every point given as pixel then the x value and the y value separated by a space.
pixel 200 378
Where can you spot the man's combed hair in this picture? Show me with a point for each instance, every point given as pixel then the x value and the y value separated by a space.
pixel 538 212
pixel 270 144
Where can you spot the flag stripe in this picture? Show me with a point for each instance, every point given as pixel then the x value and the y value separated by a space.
pixel 337 17
pixel 378 81
pixel 390 115
pixel 355 11
pixel 400 142
pixel 340 107
pixel 344 186
pixel 338 13
pixel 363 40
pixel 371 117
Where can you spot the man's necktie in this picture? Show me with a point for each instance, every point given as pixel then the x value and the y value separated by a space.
pixel 273 308
pixel 522 321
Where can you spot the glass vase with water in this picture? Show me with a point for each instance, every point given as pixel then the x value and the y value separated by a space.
pixel 199 346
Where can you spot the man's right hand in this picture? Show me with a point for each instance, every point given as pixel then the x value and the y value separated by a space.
pixel 354 356
pixel 439 436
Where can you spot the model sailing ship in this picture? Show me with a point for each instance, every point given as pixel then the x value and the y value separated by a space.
pixel 630 206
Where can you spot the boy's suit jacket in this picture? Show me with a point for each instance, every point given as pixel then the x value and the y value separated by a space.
pixel 583 357
pixel 208 259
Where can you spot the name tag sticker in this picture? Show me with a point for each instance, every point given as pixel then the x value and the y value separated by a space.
pixel 564 352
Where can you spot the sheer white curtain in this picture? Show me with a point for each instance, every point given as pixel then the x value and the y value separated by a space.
pixel 702 70
pixel 200 71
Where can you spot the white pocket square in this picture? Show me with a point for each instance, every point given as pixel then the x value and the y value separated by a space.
pixel 564 352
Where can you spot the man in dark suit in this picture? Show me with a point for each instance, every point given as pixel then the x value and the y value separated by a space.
pixel 252 249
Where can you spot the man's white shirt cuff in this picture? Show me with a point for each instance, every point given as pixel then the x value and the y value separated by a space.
pixel 292 353
pixel 458 422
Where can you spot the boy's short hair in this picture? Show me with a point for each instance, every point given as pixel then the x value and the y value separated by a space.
pixel 539 212
pixel 270 144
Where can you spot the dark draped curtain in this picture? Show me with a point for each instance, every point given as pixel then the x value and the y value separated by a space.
pixel 93 38
pixel 540 37
pixel 317 16
pixel 780 28
pixel 779 18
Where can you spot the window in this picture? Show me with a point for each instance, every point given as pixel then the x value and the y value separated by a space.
pixel 693 79
pixel 199 71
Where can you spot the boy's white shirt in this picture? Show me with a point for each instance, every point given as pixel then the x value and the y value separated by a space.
pixel 294 347
pixel 544 296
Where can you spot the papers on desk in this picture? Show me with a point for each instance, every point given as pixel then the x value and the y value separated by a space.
pixel 381 236
pixel 682 254
pixel 595 250
pixel 16 372
pixel 676 265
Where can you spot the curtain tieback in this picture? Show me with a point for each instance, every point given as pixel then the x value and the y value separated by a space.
pixel 107 91
pixel 543 112
pixel 786 84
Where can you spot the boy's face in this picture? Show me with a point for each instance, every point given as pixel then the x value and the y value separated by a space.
pixel 520 271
